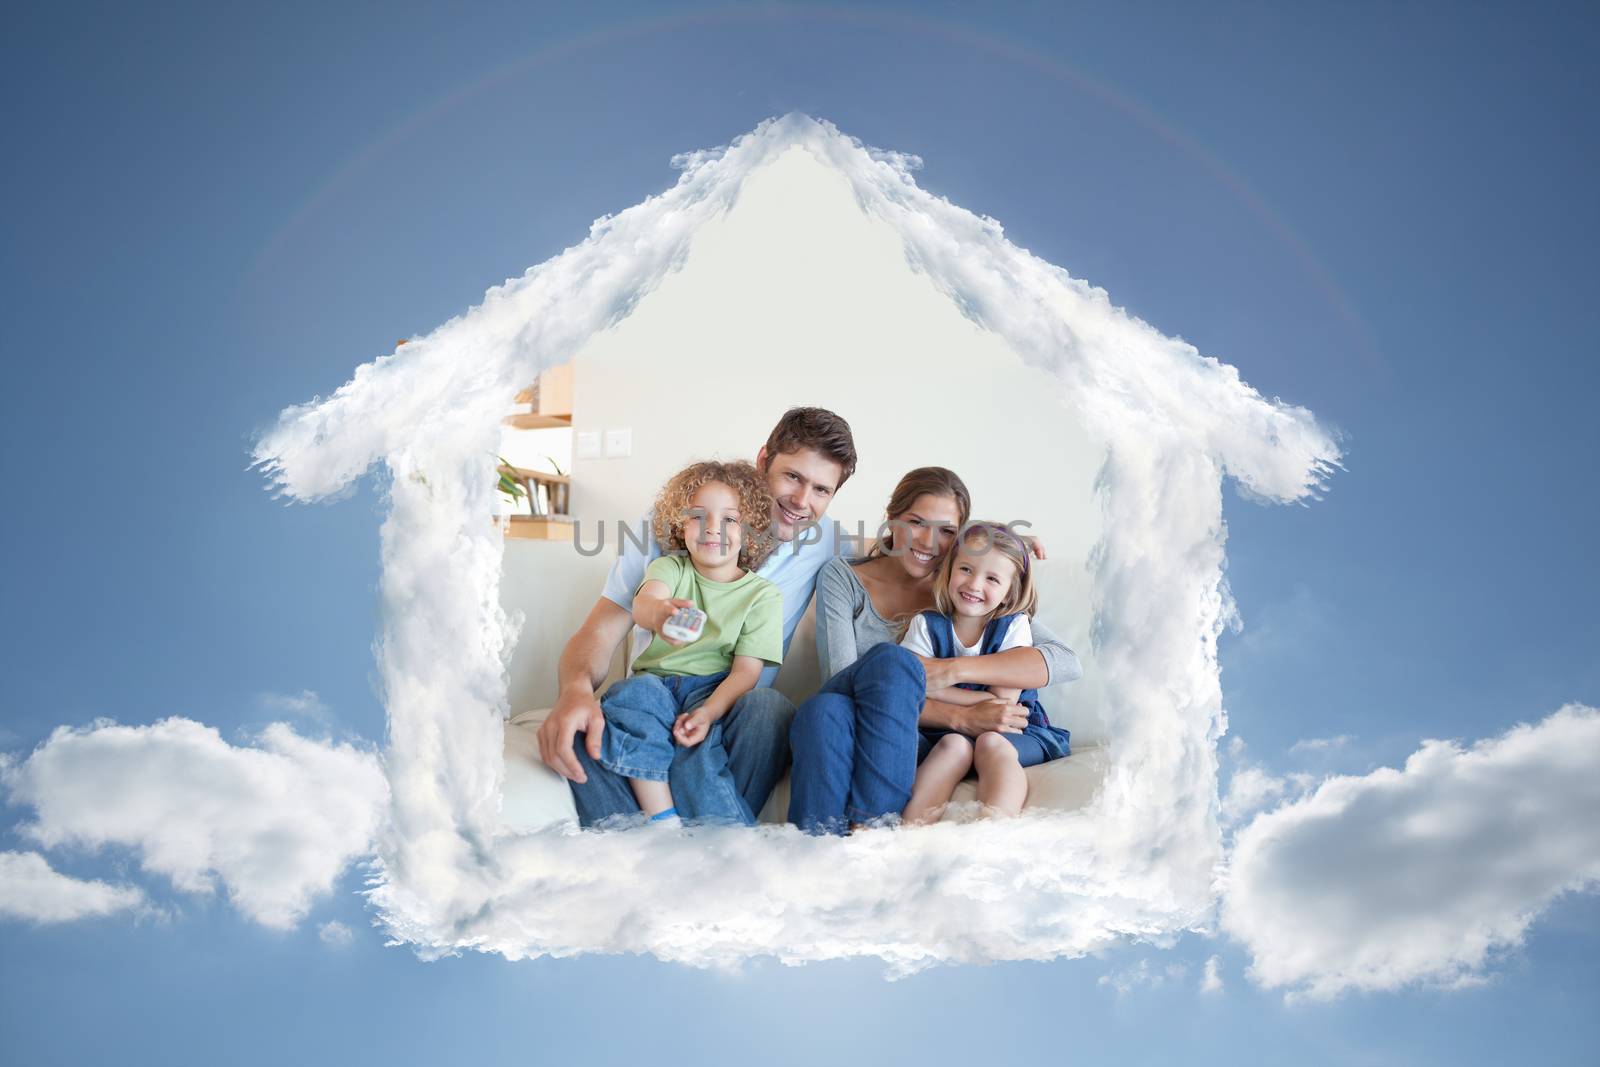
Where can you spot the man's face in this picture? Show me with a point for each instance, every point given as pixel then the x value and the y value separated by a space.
pixel 802 485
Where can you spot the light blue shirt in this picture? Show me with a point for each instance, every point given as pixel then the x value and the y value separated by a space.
pixel 792 567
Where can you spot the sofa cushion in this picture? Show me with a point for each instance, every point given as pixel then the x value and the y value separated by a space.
pixel 534 796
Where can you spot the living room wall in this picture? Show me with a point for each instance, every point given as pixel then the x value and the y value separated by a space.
pixel 795 296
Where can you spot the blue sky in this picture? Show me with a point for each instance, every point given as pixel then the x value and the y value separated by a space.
pixel 217 211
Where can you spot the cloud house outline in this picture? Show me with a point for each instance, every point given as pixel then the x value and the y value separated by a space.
pixel 1169 425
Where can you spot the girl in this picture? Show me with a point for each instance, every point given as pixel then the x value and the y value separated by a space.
pixel 855 742
pixel 713 520
pixel 984 602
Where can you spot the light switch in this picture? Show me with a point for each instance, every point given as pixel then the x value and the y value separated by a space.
pixel 619 443
pixel 588 446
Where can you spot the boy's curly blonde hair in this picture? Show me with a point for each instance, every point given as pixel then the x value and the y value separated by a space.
pixel 755 508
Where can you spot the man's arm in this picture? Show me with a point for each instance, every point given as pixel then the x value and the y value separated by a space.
pixel 586 659
pixel 584 663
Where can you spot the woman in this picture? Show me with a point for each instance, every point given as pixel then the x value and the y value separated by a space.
pixel 855 742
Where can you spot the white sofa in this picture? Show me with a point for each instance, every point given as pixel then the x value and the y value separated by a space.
pixel 535 796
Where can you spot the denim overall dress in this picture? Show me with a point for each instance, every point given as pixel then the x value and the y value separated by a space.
pixel 1039 742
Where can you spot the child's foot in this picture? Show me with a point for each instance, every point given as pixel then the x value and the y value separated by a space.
pixel 667 818
pixel 996 811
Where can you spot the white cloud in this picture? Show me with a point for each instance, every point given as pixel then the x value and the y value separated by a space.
pixel 1211 978
pixel 1419 875
pixel 1249 790
pixel 1143 976
pixel 1139 861
pixel 1252 788
pixel 952 893
pixel 30 889
pixel 275 823
pixel 1320 744
pixel 306 704
pixel 335 933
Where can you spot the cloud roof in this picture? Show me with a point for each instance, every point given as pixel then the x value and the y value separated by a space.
pixel 1127 371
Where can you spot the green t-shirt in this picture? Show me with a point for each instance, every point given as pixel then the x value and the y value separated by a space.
pixel 743 618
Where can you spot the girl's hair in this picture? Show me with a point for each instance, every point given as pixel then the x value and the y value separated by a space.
pixel 924 481
pixel 755 508
pixel 1022 596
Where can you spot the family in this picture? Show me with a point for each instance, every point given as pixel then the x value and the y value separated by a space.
pixel 930 654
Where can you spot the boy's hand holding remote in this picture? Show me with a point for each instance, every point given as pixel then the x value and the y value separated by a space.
pixel 652 608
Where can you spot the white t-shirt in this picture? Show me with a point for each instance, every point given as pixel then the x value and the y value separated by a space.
pixel 792 567
pixel 918 640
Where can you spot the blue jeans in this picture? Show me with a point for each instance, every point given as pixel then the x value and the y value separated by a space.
pixel 640 711
pixel 855 742
pixel 725 778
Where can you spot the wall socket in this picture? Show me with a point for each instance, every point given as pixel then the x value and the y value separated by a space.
pixel 588 445
pixel 619 443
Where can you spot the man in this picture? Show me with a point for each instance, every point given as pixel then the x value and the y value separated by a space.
pixel 729 775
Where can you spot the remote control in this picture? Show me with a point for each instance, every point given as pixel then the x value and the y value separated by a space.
pixel 684 625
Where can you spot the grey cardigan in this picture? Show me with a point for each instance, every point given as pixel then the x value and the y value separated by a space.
pixel 848 625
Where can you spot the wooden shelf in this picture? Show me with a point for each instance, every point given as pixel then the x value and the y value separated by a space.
pixel 557 490
pixel 529 421
pixel 549 403
pixel 539 528
pixel 549 400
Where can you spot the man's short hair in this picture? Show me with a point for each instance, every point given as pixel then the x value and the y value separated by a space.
pixel 819 430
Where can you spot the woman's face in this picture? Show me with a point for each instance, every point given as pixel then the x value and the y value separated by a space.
pixel 923 533
pixel 711 529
